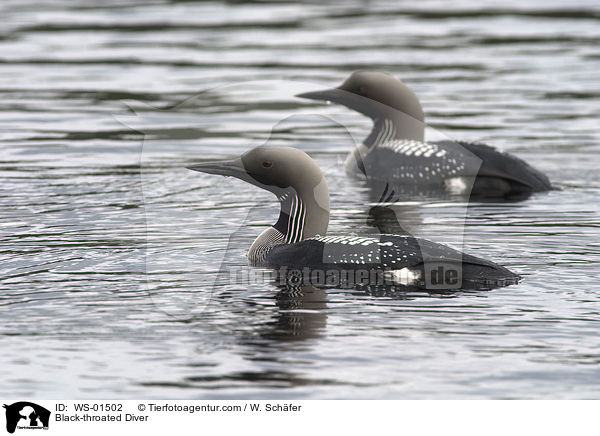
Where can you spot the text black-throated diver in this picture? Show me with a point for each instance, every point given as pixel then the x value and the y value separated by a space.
pixel 298 239
pixel 395 150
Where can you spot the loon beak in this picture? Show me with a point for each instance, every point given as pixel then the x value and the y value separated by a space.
pixel 232 168
pixel 334 95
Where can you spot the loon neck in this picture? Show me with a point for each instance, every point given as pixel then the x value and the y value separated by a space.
pixel 292 217
pixel 394 126
pixel 304 214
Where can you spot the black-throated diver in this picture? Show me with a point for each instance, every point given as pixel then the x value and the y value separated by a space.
pixel 395 150
pixel 298 238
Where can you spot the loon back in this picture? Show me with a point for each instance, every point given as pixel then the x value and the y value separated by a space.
pixel 482 168
pixel 389 260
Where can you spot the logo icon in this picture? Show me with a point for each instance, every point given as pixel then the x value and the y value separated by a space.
pixel 26 415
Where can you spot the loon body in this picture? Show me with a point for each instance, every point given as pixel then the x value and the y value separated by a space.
pixel 395 150
pixel 298 239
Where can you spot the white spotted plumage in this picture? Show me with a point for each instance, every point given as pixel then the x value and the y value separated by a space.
pixel 410 147
pixel 357 250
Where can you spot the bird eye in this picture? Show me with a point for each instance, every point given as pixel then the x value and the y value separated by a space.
pixel 267 164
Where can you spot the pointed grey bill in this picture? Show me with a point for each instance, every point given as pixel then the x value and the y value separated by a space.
pixel 334 95
pixel 231 168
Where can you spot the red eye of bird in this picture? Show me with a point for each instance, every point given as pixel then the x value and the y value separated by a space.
pixel 267 164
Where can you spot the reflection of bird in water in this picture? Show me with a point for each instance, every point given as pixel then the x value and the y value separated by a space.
pixel 298 239
pixel 301 314
pixel 395 152
pixel 385 220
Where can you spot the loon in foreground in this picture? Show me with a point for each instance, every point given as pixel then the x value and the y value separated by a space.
pixel 395 150
pixel 298 239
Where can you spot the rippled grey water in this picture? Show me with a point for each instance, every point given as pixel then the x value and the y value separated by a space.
pixel 108 273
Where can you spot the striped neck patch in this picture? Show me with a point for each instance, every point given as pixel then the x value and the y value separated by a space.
pixel 295 210
pixel 383 131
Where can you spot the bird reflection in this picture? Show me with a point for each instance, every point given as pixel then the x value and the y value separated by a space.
pixel 385 220
pixel 301 314
pixel 480 190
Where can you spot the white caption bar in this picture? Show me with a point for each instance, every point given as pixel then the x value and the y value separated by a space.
pixel 157 417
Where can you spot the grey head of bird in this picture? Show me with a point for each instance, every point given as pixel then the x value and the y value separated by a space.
pixel 290 174
pixel 380 96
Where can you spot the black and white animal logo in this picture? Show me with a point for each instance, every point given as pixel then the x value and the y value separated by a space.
pixel 26 415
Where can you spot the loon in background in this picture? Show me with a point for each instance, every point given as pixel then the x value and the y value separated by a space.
pixel 395 152
pixel 298 239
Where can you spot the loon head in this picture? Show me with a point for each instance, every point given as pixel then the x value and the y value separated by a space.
pixel 290 174
pixel 379 96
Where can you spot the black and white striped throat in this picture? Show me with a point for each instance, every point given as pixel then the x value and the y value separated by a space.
pixel 383 131
pixel 292 217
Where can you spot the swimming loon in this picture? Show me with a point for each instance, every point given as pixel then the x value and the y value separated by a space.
pixel 395 150
pixel 298 239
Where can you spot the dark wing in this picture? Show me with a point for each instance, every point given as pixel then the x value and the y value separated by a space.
pixel 502 165
pixel 476 273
